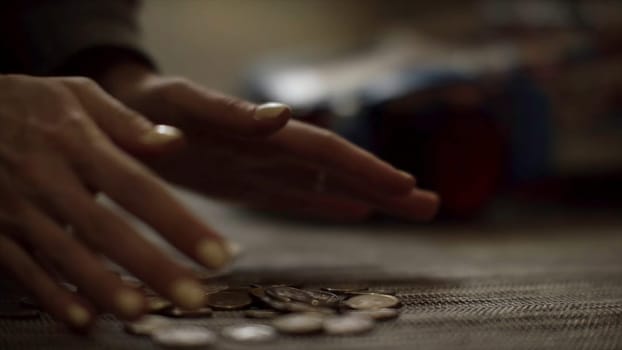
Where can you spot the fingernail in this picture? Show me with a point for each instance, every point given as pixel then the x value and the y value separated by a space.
pixel 161 134
pixel 407 175
pixel 270 110
pixel 78 316
pixel 214 253
pixel 129 302
pixel 188 294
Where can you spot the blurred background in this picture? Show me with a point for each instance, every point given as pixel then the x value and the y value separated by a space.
pixel 497 105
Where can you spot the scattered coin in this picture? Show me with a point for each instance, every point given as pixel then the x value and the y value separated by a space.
pixel 344 288
pixel 183 336
pixel 251 333
pixel 389 291
pixel 258 292
pixel 348 324
pixel 299 323
pixel 261 314
pixel 229 300
pixel 377 314
pixel 183 313
pixel 323 298
pixel 147 324
pixel 372 301
pixel 287 294
pixel 214 288
pixel 311 297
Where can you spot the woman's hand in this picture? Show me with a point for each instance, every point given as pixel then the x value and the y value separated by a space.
pixel 265 161
pixel 61 138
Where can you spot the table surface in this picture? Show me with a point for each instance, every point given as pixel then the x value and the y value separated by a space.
pixel 504 284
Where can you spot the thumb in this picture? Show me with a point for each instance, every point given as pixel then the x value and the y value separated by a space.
pixel 128 129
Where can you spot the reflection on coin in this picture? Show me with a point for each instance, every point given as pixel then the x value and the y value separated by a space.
pixel 299 323
pixel 389 291
pixel 156 304
pixel 294 306
pixel 372 301
pixel 261 314
pixel 323 298
pixel 348 324
pixel 183 336
pixel 179 312
pixel 229 300
pixel 252 333
pixel 377 314
pixel 147 324
pixel 311 297
pixel 258 292
pixel 286 294
pixel 344 288
pixel 214 288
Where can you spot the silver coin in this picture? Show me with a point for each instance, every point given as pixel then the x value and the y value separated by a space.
pixel 323 298
pixel 377 314
pixel 146 325
pixel 287 294
pixel 261 314
pixel 344 288
pixel 250 333
pixel 299 323
pixel 311 297
pixel 229 300
pixel 389 291
pixel 348 324
pixel 183 313
pixel 184 336
pixel 372 301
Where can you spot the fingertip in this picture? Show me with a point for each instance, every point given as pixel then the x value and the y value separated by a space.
pixel 78 317
pixel 428 204
pixel 130 303
pixel 272 110
pixel 188 293
pixel 161 139
pixel 269 118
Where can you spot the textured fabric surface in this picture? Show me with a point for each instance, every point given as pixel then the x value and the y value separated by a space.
pixel 547 285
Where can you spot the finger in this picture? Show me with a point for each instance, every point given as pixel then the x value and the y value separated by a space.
pixel 59 302
pixel 210 109
pixel 82 267
pixel 308 204
pixel 275 196
pixel 108 233
pixel 127 128
pixel 331 151
pixel 137 190
pixel 417 204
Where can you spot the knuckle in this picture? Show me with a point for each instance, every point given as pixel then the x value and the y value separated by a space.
pixel 81 82
pixel 171 87
pixel 329 138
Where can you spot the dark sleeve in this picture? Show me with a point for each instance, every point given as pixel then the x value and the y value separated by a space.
pixel 42 37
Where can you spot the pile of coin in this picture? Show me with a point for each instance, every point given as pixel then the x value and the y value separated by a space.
pixel 276 309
